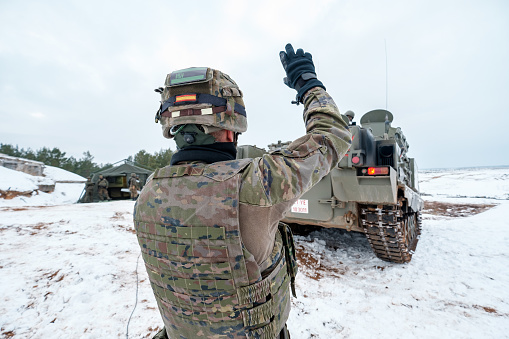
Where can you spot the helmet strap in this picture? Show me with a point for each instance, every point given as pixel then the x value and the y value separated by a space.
pixel 229 136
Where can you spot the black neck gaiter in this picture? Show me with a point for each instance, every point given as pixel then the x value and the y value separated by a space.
pixel 218 151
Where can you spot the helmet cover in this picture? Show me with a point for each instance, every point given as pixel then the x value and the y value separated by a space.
pixel 350 114
pixel 201 96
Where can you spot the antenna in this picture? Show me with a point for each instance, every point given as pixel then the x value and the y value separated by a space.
pixel 386 78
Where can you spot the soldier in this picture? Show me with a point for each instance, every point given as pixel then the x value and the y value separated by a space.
pixel 89 190
pixel 350 115
pixel 133 186
pixel 219 262
pixel 102 188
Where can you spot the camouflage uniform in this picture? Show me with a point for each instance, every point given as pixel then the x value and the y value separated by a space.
pixel 209 232
pixel 89 191
pixel 133 186
pixel 102 188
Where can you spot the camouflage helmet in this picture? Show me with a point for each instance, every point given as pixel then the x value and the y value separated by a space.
pixel 202 96
pixel 133 174
pixel 350 114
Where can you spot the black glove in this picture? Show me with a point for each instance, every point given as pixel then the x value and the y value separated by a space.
pixel 300 71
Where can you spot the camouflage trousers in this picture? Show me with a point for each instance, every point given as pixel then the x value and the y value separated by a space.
pixel 134 192
pixel 89 196
pixel 103 193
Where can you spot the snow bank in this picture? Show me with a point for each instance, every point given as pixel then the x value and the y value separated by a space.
pixel 11 180
pixel 58 174
pixel 67 187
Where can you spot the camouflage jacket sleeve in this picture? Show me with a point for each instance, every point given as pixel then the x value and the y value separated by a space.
pixel 283 176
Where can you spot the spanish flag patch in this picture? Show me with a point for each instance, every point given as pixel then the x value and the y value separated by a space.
pixel 185 97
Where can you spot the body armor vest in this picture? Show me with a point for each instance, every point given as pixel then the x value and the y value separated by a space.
pixel 207 285
pixel 133 181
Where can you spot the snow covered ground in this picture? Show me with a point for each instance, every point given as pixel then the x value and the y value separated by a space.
pixel 71 271
pixel 454 287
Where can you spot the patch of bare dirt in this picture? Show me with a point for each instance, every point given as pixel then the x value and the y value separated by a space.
pixel 38 227
pixel 35 228
pixel 119 215
pixel 128 228
pixel 152 331
pixel 486 309
pixel 490 310
pixel 7 334
pixel 454 210
pixel 8 195
pixel 17 209
pixel 314 267
pixel 51 277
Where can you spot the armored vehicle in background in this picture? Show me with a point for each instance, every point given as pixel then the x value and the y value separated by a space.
pixel 373 190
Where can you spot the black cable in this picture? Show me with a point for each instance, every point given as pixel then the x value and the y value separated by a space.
pixel 136 303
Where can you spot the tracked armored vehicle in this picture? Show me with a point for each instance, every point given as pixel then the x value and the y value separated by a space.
pixel 373 190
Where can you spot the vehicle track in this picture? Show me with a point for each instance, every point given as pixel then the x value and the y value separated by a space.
pixel 392 233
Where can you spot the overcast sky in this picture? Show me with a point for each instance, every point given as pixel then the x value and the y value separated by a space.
pixel 80 75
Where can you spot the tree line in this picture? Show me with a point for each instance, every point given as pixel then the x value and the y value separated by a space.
pixel 152 161
pixel 85 165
